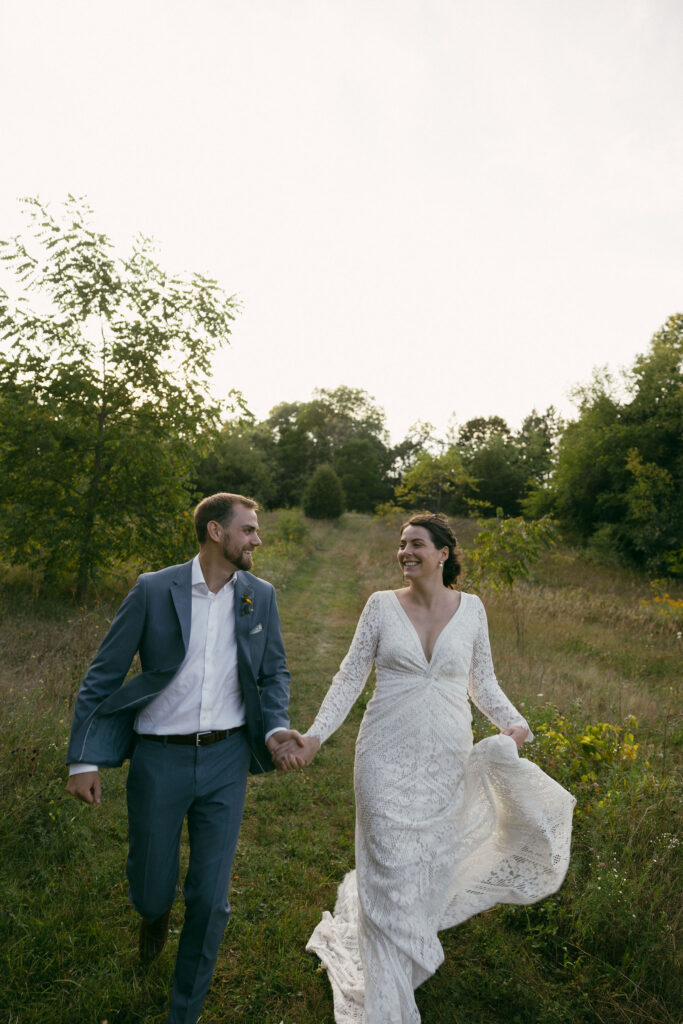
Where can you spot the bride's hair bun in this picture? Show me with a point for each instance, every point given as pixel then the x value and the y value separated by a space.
pixel 442 534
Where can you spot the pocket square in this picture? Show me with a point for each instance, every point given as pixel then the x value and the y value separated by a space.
pixel 256 629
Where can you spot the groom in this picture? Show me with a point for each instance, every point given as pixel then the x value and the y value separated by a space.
pixel 209 705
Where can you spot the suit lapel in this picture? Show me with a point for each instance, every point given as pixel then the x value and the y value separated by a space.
pixel 181 594
pixel 243 622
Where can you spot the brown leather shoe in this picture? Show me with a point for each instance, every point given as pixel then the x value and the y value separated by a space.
pixel 153 935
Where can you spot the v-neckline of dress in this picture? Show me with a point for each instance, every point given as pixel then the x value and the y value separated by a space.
pixel 428 661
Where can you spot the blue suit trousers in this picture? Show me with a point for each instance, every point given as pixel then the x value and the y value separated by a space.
pixel 166 783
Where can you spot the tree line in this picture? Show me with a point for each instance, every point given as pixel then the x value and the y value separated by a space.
pixel 481 467
pixel 107 436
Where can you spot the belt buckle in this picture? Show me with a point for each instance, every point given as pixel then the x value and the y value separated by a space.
pixel 197 739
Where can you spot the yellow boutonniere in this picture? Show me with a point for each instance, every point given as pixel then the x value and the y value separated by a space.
pixel 247 604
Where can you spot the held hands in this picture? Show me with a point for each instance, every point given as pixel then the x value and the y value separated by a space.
pixel 518 733
pixel 85 786
pixel 290 750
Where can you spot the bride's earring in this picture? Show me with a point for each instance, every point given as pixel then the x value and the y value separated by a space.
pixel 440 565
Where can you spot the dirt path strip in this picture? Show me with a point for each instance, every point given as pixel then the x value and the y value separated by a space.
pixel 319 609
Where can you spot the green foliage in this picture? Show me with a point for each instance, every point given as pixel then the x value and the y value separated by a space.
pixel 505 465
pixel 389 514
pixel 336 427
pixel 583 756
pixel 538 502
pixel 624 844
pixel 500 476
pixel 619 478
pixel 103 391
pixel 478 432
pixel 438 482
pixel 653 503
pixel 506 549
pixel 421 438
pixel 238 460
pixel 323 496
pixel 362 469
pixel 536 443
pixel 291 526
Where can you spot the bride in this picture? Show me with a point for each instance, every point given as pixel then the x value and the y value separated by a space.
pixel 444 829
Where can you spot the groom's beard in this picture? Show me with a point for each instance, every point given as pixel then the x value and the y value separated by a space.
pixel 241 558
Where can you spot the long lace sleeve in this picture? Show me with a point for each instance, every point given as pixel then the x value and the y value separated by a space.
pixel 483 686
pixel 354 670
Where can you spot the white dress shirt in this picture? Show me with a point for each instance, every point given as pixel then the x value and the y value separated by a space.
pixel 205 692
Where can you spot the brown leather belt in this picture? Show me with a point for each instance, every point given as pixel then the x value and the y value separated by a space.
pixel 194 739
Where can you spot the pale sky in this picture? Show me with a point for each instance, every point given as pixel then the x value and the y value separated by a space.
pixel 461 206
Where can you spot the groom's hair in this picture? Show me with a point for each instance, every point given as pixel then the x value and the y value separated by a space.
pixel 219 508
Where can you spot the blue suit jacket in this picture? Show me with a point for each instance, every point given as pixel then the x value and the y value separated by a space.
pixel 155 620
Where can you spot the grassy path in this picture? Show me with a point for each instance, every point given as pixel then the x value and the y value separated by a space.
pixel 297 837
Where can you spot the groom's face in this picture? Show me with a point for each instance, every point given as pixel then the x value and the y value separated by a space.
pixel 240 537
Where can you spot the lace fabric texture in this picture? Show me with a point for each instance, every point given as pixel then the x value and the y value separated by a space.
pixel 444 829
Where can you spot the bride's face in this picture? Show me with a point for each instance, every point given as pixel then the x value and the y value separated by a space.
pixel 417 554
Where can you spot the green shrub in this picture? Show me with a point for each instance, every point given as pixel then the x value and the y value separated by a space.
pixel 291 526
pixel 391 515
pixel 323 496
pixel 624 844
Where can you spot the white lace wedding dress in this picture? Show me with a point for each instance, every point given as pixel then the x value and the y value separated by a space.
pixel 444 829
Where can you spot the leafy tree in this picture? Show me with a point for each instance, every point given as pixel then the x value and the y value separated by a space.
pixel 499 474
pixel 653 508
pixel 506 549
pixel 361 467
pixel 504 553
pixel 440 483
pixel 536 443
pixel 323 497
pixel 591 475
pixel 619 476
pixel 506 465
pixel 491 458
pixel 421 438
pixel 238 460
pixel 350 412
pixel 103 392
pixel 308 434
pixel 293 452
pixel 479 432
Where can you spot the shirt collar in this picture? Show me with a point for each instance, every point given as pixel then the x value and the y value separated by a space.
pixel 198 575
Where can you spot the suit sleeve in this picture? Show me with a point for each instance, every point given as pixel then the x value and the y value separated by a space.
pixel 111 663
pixel 273 680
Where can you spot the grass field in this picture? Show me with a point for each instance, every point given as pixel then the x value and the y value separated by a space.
pixel 595 670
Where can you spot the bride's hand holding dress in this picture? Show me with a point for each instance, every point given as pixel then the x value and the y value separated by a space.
pixel 518 733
